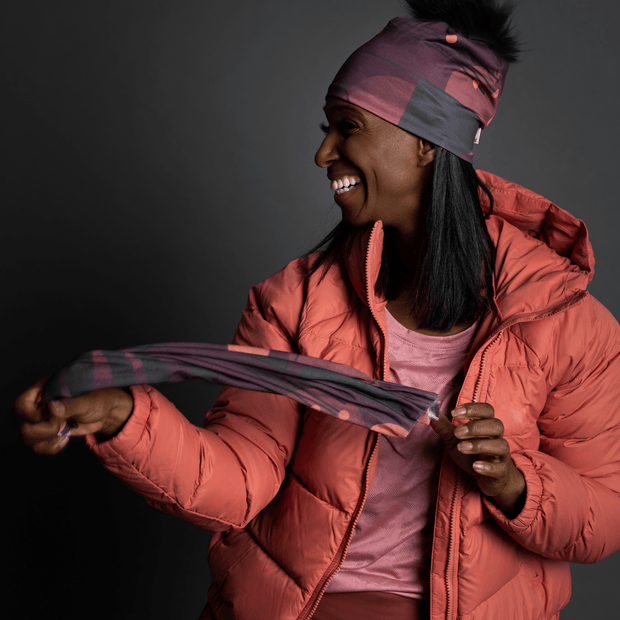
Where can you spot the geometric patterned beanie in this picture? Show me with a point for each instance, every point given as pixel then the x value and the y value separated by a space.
pixel 427 79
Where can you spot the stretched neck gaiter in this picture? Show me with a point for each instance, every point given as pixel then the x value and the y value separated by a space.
pixel 334 389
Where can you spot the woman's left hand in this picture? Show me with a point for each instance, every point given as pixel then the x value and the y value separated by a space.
pixel 478 447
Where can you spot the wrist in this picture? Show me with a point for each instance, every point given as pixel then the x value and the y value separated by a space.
pixel 512 499
pixel 120 411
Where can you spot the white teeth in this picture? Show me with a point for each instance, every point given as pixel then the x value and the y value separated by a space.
pixel 345 184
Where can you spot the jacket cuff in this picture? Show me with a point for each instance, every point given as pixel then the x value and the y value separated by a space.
pixel 533 496
pixel 130 434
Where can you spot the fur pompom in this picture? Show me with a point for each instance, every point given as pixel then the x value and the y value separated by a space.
pixel 479 20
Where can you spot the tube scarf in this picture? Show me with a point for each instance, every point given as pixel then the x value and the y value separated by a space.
pixel 335 389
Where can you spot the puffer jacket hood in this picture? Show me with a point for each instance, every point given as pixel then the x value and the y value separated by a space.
pixel 555 267
pixel 282 488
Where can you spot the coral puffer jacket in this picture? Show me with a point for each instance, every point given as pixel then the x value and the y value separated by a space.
pixel 282 487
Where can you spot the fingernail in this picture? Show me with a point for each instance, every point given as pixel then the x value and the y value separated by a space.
pixel 466 445
pixel 459 411
pixel 478 466
pixel 65 431
pixel 433 411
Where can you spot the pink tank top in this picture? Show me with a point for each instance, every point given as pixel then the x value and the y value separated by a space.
pixel 391 546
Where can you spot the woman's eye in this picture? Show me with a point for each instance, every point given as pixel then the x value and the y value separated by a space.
pixel 347 126
pixel 344 125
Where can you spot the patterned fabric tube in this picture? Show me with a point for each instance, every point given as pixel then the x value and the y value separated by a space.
pixel 335 389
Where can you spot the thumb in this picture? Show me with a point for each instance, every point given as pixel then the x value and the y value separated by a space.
pixel 58 411
pixel 444 428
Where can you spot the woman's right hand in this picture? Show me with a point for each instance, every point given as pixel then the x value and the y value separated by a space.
pixel 101 412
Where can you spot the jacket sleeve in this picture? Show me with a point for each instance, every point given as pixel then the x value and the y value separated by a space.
pixel 572 505
pixel 222 475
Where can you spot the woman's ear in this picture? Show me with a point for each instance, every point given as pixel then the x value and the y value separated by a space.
pixel 426 152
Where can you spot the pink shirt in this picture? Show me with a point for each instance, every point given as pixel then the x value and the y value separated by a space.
pixel 391 547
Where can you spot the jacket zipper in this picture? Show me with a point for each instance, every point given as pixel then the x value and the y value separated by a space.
pixel 532 316
pixel 339 559
pixel 384 366
pixel 451 545
pixel 482 362
pixel 452 529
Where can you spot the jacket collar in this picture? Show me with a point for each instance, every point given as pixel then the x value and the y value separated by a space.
pixel 544 259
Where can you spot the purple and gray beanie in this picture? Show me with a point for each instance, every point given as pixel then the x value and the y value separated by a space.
pixel 427 79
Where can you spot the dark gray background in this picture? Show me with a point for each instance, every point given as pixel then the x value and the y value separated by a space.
pixel 157 162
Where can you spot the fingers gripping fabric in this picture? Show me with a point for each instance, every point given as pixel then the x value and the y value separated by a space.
pixel 335 389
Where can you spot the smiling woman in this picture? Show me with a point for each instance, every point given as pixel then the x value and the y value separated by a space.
pixel 137 169
pixel 393 168
pixel 403 181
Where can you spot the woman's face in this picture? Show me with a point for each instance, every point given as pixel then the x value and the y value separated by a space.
pixel 386 169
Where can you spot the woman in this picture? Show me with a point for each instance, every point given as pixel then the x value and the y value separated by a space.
pixel 287 493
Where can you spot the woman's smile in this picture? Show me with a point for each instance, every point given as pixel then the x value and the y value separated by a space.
pixel 345 184
pixel 349 196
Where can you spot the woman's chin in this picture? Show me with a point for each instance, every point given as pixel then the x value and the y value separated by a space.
pixel 351 204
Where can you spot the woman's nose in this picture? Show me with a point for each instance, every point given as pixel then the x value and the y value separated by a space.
pixel 328 152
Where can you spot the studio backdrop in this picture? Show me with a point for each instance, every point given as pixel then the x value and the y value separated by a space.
pixel 157 161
